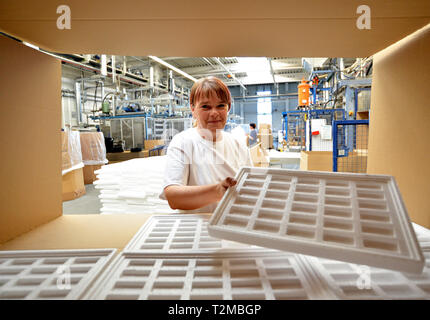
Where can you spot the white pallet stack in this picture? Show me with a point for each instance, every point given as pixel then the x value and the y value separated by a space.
pixel 132 186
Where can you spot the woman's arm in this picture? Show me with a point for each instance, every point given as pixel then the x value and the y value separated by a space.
pixel 195 197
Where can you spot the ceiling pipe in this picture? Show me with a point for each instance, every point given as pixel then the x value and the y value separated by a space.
pixel 228 71
pixel 267 96
pixel 139 82
pixel 273 75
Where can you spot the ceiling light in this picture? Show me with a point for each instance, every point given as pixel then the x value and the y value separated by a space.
pixel 30 45
pixel 164 63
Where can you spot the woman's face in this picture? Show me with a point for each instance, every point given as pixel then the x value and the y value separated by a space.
pixel 211 113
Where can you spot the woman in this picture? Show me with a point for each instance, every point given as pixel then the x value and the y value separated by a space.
pixel 202 161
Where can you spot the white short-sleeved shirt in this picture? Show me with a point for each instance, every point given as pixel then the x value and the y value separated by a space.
pixel 195 161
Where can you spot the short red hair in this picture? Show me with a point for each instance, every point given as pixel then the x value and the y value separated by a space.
pixel 204 87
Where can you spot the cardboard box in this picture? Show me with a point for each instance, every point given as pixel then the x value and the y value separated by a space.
pixel 259 156
pixel 89 175
pixel 355 162
pixel 399 144
pixel 73 184
pixel 337 18
pixel 93 148
pixel 126 155
pixel 80 231
pixel 151 144
pixel 65 156
pixel 30 104
pixel 362 137
pixel 363 115
pixel 316 160
pixel 363 100
pixel 266 140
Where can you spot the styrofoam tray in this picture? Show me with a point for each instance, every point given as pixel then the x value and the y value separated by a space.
pixel 356 218
pixel 179 233
pixel 351 281
pixel 50 274
pixel 216 276
pixel 423 235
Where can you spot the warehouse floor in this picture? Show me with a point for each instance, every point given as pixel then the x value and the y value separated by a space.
pixel 89 203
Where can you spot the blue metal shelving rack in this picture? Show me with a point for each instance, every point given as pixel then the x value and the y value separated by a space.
pixel 345 143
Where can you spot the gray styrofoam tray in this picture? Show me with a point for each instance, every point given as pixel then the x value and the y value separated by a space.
pixel 423 235
pixel 179 233
pixel 240 275
pixel 351 281
pixel 356 218
pixel 45 274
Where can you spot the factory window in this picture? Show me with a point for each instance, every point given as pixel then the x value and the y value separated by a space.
pixel 264 108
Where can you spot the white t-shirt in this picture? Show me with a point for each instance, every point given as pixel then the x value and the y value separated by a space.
pixel 195 161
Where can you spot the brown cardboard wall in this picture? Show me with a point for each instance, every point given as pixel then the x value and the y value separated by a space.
pixel 30 140
pixel 201 29
pixel 399 141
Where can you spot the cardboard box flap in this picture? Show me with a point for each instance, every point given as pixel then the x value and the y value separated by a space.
pixel 36 22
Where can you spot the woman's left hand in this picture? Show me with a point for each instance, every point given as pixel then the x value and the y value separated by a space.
pixel 224 185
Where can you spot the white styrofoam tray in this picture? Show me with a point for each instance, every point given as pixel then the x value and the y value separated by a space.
pixel 179 233
pixel 240 275
pixel 356 218
pixel 352 281
pixel 50 274
pixel 423 235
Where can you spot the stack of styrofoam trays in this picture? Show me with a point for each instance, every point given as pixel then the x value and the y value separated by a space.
pixel 355 218
pixel 50 274
pixel 352 281
pixel 178 234
pixel 172 257
pixel 132 186
pixel 240 275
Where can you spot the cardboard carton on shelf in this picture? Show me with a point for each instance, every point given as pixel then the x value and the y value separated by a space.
pixel 259 156
pixel 355 162
pixel 316 160
pixel 266 140
pixel 151 144
pixel 126 155
pixel 323 161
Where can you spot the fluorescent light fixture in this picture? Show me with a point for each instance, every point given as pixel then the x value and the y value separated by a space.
pixel 104 65
pixel 164 63
pixel 30 45
pixel 263 93
pixel 113 69
pixel 256 68
pixel 151 76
